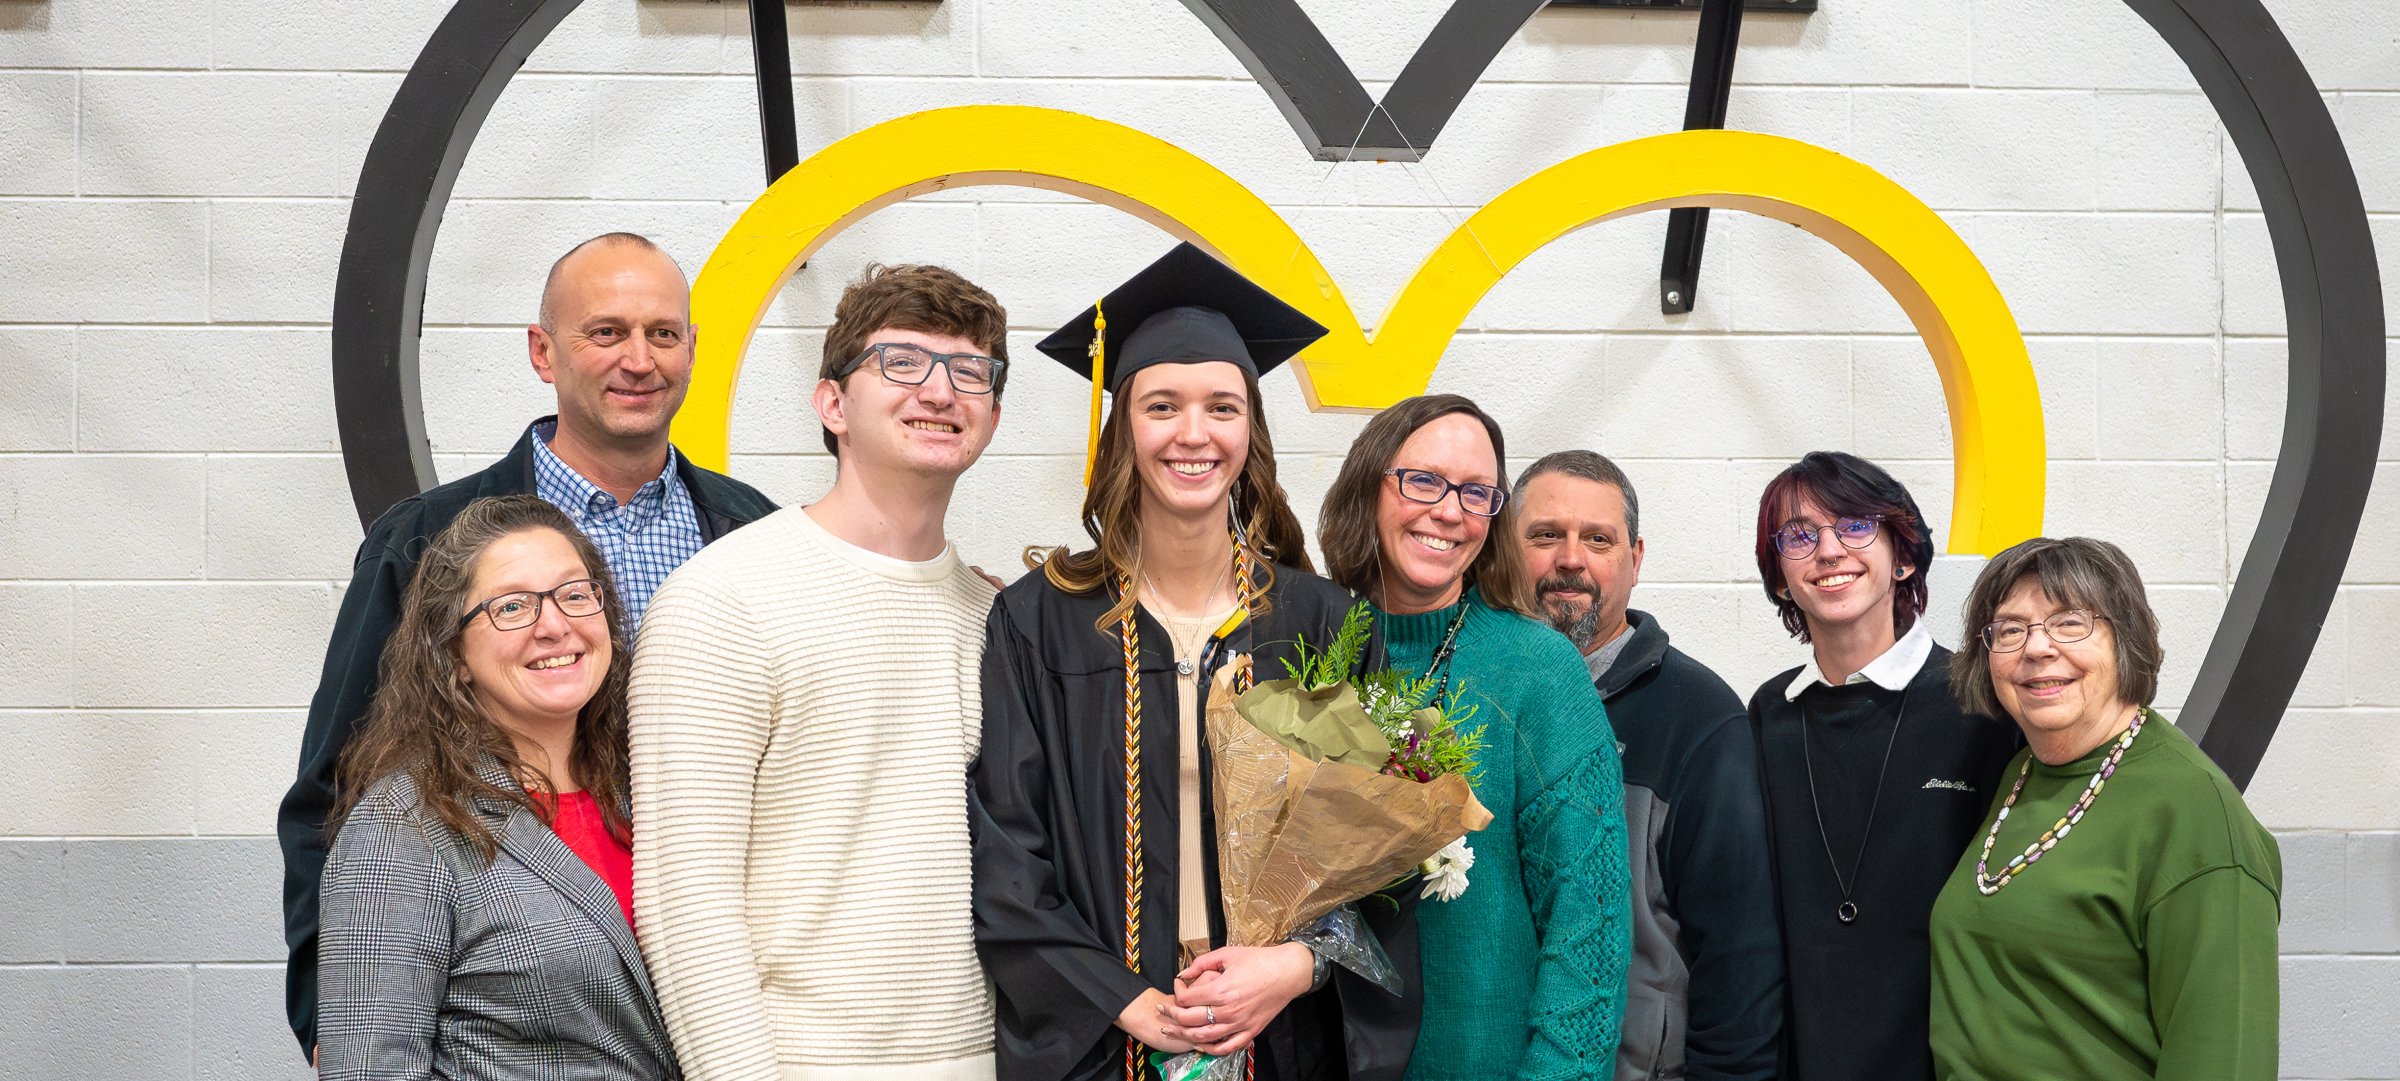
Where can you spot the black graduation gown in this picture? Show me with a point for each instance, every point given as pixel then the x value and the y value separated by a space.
pixel 1047 807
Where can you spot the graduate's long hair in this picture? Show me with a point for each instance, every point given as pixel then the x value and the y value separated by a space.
pixel 425 720
pixel 1112 515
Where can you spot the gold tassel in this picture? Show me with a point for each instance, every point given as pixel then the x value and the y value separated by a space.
pixel 1091 448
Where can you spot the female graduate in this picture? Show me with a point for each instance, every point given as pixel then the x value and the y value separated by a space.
pixel 1096 672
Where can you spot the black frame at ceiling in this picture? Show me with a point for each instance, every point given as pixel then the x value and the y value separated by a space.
pixel 2332 287
pixel 1792 6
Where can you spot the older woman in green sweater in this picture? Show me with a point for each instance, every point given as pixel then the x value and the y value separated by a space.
pixel 1524 972
pixel 2117 920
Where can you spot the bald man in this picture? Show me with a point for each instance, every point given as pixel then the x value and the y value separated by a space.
pixel 614 340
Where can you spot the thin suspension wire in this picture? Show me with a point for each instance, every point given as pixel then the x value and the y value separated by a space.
pixel 1437 196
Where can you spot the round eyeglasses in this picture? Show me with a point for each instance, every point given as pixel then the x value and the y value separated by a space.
pixel 517 611
pixel 911 365
pixel 1420 486
pixel 2010 635
pixel 1798 540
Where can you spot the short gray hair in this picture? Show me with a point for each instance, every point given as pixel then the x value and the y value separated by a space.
pixel 2079 572
pixel 1590 466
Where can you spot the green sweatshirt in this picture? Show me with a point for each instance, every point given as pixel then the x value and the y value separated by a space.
pixel 1525 972
pixel 2142 945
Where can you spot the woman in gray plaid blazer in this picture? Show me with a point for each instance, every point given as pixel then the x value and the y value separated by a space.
pixel 462 936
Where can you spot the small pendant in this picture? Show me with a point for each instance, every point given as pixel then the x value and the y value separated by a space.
pixel 1183 668
pixel 1847 912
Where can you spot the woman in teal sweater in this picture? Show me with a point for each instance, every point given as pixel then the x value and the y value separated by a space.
pixel 1524 972
pixel 2117 919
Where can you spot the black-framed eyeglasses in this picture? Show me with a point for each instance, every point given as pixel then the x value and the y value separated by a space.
pixel 517 611
pixel 910 365
pixel 1798 540
pixel 1420 486
pixel 2010 635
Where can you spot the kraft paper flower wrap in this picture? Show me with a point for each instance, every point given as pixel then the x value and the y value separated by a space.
pixel 1317 807
pixel 1322 798
pixel 1307 820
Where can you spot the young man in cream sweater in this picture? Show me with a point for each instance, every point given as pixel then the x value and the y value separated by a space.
pixel 805 703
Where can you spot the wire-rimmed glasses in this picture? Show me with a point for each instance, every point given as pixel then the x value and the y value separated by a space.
pixel 2010 635
pixel 1798 540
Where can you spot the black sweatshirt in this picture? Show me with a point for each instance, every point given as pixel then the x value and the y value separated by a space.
pixel 1704 999
pixel 1859 993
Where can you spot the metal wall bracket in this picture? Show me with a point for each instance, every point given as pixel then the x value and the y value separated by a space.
pixel 1704 107
pixel 771 57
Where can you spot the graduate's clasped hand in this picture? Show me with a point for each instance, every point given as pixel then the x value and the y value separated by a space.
pixel 1227 995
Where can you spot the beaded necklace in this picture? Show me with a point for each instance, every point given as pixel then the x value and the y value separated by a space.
pixel 1990 883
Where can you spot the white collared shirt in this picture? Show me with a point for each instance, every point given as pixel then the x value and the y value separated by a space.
pixel 1892 671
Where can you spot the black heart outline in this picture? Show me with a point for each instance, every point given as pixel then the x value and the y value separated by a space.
pixel 2333 409
pixel 2316 217
pixel 1324 101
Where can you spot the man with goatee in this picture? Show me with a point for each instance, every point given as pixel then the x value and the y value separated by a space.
pixel 1704 999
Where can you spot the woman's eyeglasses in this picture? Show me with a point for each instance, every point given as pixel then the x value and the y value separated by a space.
pixel 1420 486
pixel 2010 635
pixel 517 611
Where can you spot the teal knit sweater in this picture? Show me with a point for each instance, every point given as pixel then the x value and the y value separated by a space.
pixel 1525 972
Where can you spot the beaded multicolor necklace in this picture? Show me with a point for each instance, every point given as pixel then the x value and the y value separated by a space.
pixel 1990 883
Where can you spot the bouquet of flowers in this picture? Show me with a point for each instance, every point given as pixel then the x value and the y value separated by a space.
pixel 1331 785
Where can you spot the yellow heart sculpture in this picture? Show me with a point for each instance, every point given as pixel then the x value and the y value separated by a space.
pixel 1987 380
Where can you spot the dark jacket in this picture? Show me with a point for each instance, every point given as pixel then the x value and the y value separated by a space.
pixel 387 560
pixel 1046 799
pixel 1704 999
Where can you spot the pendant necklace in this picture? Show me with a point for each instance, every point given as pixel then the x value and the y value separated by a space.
pixel 1184 666
pixel 1441 658
pixel 1439 666
pixel 1847 911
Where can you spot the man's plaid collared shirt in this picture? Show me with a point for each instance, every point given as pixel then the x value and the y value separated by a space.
pixel 644 540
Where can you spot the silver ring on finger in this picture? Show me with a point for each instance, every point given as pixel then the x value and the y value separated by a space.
pixel 1209 1012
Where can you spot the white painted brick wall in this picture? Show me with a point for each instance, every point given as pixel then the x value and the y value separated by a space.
pixel 38 108
pixel 175 527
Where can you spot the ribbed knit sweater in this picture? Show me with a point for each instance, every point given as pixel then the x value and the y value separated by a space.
pixel 803 714
pixel 1525 972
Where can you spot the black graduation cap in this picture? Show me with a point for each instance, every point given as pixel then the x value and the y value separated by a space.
pixel 1183 309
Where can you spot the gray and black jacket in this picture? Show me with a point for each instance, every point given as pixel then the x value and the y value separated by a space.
pixel 1704 999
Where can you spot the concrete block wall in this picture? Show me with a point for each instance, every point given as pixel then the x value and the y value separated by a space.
pixel 174 527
